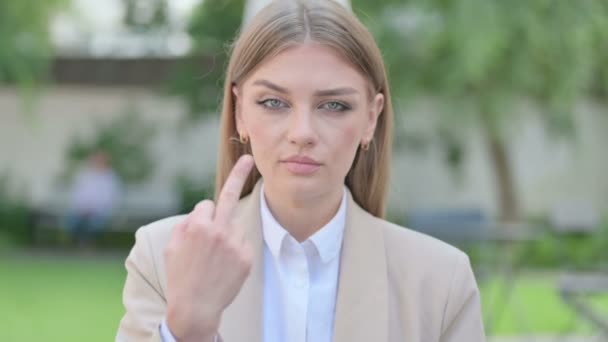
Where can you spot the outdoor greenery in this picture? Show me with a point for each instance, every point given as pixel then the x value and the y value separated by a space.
pixel 125 139
pixel 63 299
pixel 533 307
pixel 146 15
pixel 26 47
pixel 576 251
pixel 78 299
pixel 192 191
pixel 213 26
pixel 13 213
pixel 481 58
pixel 549 250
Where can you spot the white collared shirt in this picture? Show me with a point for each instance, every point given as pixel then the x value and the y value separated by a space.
pixel 300 280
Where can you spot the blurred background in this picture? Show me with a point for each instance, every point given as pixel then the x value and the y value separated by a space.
pixel 109 116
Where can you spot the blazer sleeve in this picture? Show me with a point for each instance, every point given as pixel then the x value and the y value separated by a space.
pixel 462 319
pixel 143 298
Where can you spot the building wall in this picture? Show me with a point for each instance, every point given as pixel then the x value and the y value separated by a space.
pixel 549 171
pixel 33 146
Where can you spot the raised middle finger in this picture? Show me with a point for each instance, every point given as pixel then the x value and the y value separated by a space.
pixel 231 191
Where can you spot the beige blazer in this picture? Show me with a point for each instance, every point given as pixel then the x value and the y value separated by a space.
pixel 395 285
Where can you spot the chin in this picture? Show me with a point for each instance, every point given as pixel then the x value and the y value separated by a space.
pixel 303 183
pixel 301 187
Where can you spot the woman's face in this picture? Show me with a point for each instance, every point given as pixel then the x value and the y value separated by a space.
pixel 306 111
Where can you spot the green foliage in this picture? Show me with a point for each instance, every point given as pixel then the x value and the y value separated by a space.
pixel 126 139
pixel 493 51
pixel 192 191
pixel 25 41
pixel 532 306
pixel 13 212
pixel 548 250
pixel 145 15
pixel 479 58
pixel 576 251
pixel 199 80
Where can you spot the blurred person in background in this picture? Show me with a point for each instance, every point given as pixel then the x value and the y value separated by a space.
pixel 93 199
pixel 295 247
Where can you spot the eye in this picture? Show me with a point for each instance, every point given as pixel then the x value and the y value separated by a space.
pixel 335 106
pixel 272 104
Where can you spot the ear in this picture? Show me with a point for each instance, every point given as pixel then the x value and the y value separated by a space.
pixel 375 110
pixel 237 109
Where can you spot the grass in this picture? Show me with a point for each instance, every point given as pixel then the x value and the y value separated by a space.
pixel 63 298
pixel 535 307
pixel 60 300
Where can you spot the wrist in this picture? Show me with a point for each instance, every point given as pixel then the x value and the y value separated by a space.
pixel 186 329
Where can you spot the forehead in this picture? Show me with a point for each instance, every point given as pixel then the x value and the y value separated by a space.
pixel 309 66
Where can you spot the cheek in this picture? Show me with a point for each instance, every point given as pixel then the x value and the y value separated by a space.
pixel 263 137
pixel 345 146
pixel 350 138
pixel 260 139
pixel 265 133
pixel 257 125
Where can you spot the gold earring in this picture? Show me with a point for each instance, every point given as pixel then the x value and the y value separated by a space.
pixel 243 139
pixel 365 146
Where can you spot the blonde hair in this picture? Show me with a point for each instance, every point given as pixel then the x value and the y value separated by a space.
pixel 272 30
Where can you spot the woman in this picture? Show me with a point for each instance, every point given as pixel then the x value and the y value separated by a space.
pixel 295 248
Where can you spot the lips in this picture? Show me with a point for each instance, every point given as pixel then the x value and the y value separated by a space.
pixel 301 165
pixel 301 160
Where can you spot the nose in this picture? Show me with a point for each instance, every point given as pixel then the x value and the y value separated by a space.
pixel 301 129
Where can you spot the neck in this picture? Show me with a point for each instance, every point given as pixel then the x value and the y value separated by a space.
pixel 303 217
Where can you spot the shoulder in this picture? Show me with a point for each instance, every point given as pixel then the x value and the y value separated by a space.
pixel 419 244
pixel 440 275
pixel 407 244
pixel 412 255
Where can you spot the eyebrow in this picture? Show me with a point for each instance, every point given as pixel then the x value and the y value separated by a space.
pixel 320 93
pixel 271 85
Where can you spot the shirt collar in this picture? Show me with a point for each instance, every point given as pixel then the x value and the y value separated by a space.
pixel 327 240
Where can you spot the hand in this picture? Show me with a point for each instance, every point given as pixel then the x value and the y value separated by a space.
pixel 207 262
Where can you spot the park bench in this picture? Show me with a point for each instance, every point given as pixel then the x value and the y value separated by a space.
pixel 135 210
pixel 579 217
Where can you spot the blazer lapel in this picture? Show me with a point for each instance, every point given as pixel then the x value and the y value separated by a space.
pixel 362 303
pixel 241 320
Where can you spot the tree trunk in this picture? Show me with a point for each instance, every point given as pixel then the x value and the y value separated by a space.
pixel 503 172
